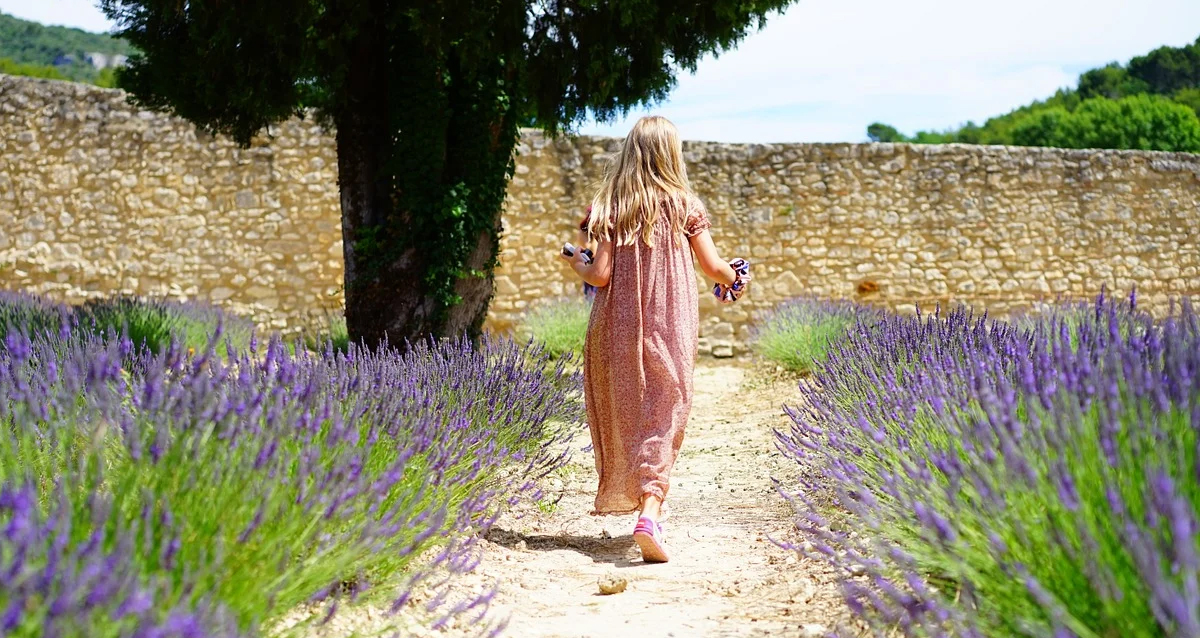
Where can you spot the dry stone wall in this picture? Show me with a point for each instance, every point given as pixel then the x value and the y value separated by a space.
pixel 98 196
pixel 892 224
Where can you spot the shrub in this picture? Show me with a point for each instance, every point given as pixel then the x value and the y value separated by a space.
pixel 212 495
pixel 156 323
pixel 1004 482
pixel 559 325
pixel 798 333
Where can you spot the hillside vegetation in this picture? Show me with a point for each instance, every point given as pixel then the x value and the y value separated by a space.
pixel 1150 103
pixel 32 49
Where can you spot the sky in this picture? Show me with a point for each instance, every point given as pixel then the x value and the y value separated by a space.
pixel 824 69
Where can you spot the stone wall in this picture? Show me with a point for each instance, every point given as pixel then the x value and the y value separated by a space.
pixel 97 196
pixel 892 224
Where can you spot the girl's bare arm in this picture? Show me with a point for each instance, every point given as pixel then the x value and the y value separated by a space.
pixel 711 263
pixel 599 271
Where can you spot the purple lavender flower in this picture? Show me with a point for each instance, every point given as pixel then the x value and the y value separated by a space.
pixel 1039 468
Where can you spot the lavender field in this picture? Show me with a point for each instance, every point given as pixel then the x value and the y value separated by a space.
pixel 162 489
pixel 165 473
pixel 973 477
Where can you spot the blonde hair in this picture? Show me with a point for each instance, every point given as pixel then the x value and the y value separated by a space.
pixel 646 180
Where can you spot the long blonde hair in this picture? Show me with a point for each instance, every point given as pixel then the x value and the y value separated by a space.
pixel 646 180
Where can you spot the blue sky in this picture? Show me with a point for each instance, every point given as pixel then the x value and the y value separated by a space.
pixel 825 69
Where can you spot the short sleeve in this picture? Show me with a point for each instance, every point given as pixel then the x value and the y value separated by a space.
pixel 697 218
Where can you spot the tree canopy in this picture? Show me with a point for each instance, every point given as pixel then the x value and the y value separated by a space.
pixel 426 98
pixel 1153 102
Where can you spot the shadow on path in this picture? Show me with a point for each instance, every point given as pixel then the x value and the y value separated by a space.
pixel 614 551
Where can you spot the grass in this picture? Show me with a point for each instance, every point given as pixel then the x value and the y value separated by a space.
pixel 560 325
pixel 798 333
pixel 334 334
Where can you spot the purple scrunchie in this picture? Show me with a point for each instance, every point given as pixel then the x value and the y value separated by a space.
pixel 734 291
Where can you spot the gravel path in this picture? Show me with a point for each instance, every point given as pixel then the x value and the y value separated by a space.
pixel 725 578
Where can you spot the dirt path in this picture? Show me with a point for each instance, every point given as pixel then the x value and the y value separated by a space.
pixel 726 578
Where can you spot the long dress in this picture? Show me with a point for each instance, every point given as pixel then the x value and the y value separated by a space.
pixel 638 361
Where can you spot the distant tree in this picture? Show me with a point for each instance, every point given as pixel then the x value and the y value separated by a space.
pixel 1044 127
pixel 933 137
pixel 969 133
pixel 1147 122
pixel 1189 98
pixel 426 98
pixel 1111 81
pixel 880 132
pixel 1167 70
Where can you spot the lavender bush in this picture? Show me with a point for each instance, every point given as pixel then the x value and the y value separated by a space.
pixel 1001 482
pixel 233 488
pixel 798 333
pixel 31 314
pixel 155 323
pixel 151 323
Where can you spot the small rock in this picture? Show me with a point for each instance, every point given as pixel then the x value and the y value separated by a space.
pixel 813 631
pixel 612 584
pixel 522 546
pixel 604 534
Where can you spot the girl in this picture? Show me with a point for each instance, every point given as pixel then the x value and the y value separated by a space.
pixel 642 335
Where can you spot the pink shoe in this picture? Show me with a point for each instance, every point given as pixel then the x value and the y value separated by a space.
pixel 649 536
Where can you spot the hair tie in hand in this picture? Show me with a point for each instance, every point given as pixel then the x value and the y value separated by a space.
pixel 734 291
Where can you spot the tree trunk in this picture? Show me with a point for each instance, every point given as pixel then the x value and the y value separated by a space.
pixel 384 302
pixel 404 151
pixel 388 300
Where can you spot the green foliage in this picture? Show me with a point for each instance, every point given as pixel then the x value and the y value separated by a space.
pixel 64 49
pixel 559 325
pixel 798 333
pixel 1146 122
pixel 424 163
pixel 1099 113
pixel 1111 81
pixel 880 132
pixel 1166 70
pixel 334 335
pixel 9 67
pixel 1190 98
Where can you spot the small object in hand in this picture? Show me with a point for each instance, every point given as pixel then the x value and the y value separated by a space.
pixel 612 584
pixel 569 250
pixel 734 291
